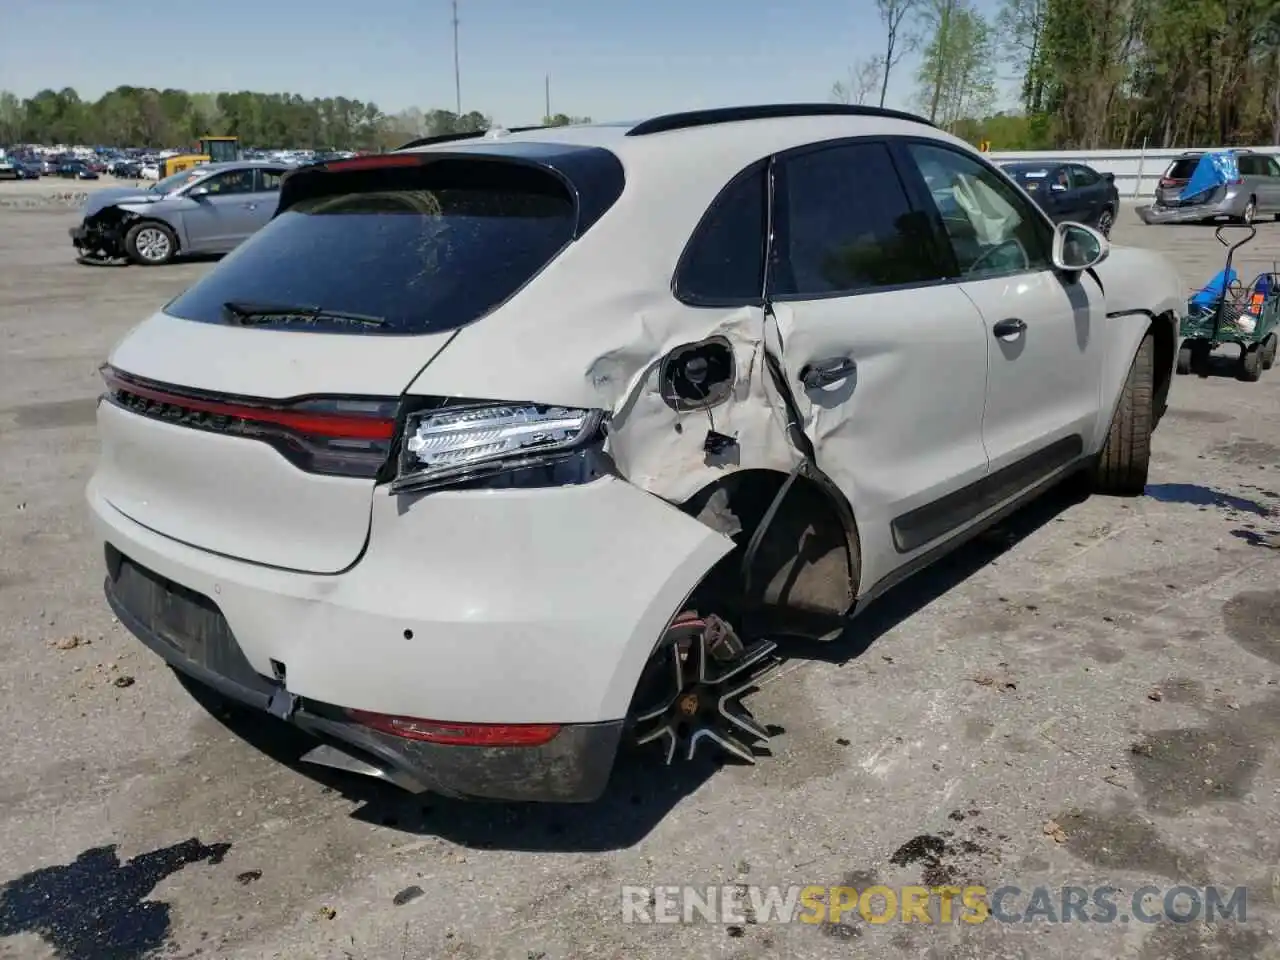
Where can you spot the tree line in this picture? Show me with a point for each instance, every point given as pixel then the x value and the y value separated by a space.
pixel 147 117
pixel 1090 74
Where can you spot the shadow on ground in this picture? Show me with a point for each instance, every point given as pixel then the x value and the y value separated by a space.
pixel 95 907
pixel 1201 496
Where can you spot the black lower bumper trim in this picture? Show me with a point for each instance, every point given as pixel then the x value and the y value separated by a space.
pixel 573 768
pixel 96 241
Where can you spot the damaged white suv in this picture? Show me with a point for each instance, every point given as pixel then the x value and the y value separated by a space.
pixel 490 456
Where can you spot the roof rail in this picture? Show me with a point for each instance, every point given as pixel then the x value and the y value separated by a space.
pixel 765 111
pixel 475 134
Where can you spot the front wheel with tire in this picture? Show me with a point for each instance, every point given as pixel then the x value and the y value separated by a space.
pixel 1269 352
pixel 1250 364
pixel 1121 467
pixel 150 243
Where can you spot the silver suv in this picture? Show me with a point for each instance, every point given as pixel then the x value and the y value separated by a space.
pixel 1253 192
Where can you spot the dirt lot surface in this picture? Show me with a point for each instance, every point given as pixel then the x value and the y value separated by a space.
pixel 1088 696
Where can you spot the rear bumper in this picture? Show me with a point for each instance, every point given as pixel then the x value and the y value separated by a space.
pixel 573 767
pixel 1232 205
pixel 498 607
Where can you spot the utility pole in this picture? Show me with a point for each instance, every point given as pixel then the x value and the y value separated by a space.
pixel 547 88
pixel 457 73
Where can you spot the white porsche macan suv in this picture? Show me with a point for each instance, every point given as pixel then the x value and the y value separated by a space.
pixel 494 454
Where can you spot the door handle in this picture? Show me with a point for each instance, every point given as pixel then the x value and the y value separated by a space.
pixel 823 373
pixel 1009 329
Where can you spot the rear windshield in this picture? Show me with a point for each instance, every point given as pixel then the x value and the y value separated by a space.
pixel 1183 168
pixel 422 249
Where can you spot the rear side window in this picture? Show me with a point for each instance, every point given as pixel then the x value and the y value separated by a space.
pixel 420 249
pixel 1084 177
pixel 1183 168
pixel 724 262
pixel 847 225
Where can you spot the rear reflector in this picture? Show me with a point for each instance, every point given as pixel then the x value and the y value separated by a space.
pixel 459 734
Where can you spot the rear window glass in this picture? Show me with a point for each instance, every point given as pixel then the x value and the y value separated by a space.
pixel 422 249
pixel 1183 169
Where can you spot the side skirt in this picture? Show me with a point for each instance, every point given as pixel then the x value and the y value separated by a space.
pixel 1038 488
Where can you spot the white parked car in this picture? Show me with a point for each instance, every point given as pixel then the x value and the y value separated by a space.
pixel 490 456
pixel 150 171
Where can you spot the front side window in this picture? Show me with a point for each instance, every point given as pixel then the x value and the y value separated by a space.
pixel 231 181
pixel 846 225
pixel 724 262
pixel 1273 167
pixel 992 227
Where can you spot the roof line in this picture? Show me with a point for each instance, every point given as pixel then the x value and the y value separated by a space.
pixel 767 111
pixel 473 135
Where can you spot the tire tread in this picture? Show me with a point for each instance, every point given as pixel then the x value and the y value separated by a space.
pixel 1122 466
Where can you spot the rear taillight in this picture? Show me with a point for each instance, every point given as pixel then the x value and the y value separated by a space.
pixel 458 734
pixel 340 436
pixel 374 163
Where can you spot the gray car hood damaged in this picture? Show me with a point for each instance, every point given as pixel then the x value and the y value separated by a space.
pixel 99 200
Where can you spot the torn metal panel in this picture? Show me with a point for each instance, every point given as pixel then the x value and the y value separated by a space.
pixel 665 450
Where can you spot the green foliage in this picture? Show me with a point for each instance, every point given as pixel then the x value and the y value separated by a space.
pixel 956 78
pixel 146 117
pixel 563 120
pixel 1099 73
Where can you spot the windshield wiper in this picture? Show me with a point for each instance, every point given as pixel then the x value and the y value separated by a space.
pixel 241 313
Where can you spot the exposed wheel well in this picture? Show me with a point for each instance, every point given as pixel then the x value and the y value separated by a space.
pixel 805 571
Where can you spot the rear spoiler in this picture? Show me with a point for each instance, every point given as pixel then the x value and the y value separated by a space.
pixel 1109 177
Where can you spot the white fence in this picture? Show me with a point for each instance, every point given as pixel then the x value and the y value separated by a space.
pixel 1136 171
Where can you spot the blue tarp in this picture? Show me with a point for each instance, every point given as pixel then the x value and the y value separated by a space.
pixel 1211 292
pixel 1214 169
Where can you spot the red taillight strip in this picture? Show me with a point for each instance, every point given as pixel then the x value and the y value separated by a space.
pixel 373 163
pixel 311 423
pixel 459 734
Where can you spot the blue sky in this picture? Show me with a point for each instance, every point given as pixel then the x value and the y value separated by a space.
pixel 609 59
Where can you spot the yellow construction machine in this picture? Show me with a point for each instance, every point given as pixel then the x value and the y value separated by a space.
pixel 210 150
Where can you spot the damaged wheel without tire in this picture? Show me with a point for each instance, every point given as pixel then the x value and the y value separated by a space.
pixel 691 690
pixel 150 243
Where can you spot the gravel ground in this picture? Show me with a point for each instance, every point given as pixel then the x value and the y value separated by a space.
pixel 1088 696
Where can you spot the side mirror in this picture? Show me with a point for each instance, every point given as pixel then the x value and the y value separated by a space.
pixel 1077 247
pixel 195 193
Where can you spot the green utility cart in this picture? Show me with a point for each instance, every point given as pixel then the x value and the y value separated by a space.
pixel 1247 317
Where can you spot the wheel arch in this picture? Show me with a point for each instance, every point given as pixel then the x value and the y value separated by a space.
pixel 806 567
